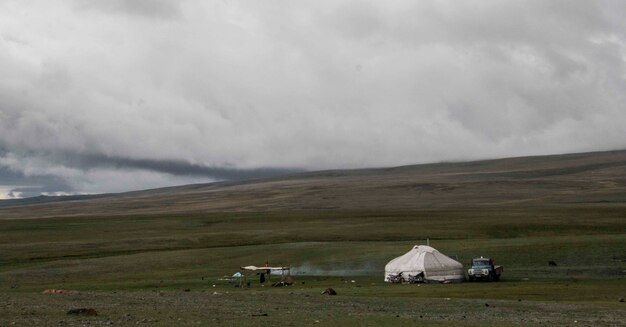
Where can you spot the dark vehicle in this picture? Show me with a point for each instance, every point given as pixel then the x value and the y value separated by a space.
pixel 484 269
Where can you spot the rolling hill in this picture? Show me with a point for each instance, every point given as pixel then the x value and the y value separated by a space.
pixel 556 180
pixel 174 246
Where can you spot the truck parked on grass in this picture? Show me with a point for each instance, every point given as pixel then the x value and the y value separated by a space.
pixel 484 269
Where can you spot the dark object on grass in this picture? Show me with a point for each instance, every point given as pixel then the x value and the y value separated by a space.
pixel 281 284
pixel 486 304
pixel 621 300
pixel 187 290
pixel 83 312
pixel 260 315
pixel 60 291
pixel 395 278
pixel 417 278
pixel 329 291
pixel 552 263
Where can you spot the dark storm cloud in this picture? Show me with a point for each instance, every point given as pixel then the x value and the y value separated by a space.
pixel 128 94
pixel 49 183
pixel 16 184
pixel 51 180
pixel 172 167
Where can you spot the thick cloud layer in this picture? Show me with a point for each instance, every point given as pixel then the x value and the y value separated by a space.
pixel 131 88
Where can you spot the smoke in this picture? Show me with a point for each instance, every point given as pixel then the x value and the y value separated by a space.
pixel 364 269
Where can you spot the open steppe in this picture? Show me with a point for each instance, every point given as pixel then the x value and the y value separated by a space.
pixel 158 257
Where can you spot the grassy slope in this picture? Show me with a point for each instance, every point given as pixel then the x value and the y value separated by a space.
pixel 588 179
pixel 573 215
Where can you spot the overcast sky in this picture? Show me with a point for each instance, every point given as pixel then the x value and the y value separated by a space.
pixel 107 96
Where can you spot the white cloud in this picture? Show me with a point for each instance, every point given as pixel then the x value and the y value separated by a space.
pixel 324 84
pixel 8 192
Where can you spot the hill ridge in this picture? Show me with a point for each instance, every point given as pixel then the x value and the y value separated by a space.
pixel 566 179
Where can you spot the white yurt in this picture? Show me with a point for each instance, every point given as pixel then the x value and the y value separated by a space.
pixel 424 259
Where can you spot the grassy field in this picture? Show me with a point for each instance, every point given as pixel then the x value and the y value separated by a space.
pixel 169 269
pixel 159 257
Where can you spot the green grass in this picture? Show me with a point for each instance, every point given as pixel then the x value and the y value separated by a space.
pixel 133 257
pixel 41 239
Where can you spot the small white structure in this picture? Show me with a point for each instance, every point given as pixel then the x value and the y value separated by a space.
pixel 266 272
pixel 424 259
